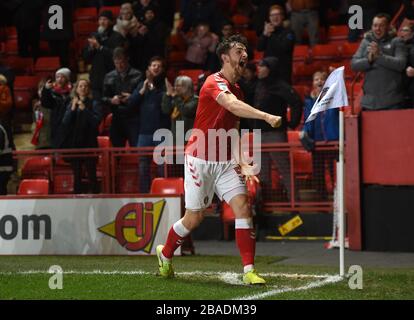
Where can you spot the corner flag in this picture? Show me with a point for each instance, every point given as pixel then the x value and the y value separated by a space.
pixel 333 94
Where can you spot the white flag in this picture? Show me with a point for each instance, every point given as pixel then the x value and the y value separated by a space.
pixel 333 94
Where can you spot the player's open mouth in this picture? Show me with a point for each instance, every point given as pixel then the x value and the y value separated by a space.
pixel 242 63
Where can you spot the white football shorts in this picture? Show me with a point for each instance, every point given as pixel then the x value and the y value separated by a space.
pixel 203 178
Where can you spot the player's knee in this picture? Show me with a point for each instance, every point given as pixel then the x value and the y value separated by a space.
pixel 241 207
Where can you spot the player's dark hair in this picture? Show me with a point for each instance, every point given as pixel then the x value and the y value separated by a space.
pixel 225 46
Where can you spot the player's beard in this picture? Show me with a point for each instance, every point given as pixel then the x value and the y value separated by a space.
pixel 238 70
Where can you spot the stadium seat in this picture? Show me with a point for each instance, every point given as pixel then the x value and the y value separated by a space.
pixel 115 10
pixel 302 90
pixel 126 180
pixel 24 91
pixel 326 52
pixel 104 142
pixel 33 187
pixel 193 74
pixel 83 29
pixel 177 43
pixel 293 135
pixel 302 164
pixel 21 66
pixel 37 168
pixel 348 49
pixel 257 55
pixel 88 14
pixel 46 66
pixel 338 34
pixel 168 186
pixel 301 53
pixel 251 37
pixel 63 183
pixel 240 21
pixel 10 48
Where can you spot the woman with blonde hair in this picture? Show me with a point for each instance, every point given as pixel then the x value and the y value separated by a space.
pixel 80 130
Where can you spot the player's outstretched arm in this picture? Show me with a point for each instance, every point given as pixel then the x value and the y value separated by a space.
pixel 241 109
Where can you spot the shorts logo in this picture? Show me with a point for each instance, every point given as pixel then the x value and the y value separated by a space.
pixel 136 225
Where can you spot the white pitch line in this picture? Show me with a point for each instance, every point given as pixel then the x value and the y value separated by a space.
pixel 312 285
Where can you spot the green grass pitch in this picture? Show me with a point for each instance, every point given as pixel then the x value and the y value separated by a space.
pixel 198 277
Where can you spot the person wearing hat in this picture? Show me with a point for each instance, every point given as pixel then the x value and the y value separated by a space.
pixel 98 51
pixel 273 95
pixel 55 96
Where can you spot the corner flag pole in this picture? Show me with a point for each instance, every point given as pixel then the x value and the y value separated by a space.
pixel 341 195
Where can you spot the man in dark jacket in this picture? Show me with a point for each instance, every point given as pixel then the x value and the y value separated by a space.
pixel 59 38
pixel 273 95
pixel 278 41
pixel 383 58
pixel 55 96
pixel 118 85
pixel 99 51
pixel 147 98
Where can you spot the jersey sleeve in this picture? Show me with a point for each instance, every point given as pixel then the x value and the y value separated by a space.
pixel 216 86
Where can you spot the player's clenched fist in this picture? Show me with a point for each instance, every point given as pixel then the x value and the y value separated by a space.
pixel 274 121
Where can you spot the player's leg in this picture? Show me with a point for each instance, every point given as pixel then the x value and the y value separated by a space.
pixel 245 237
pixel 231 187
pixel 199 191
pixel 176 235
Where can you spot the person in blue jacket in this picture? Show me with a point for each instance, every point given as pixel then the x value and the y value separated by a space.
pixel 325 127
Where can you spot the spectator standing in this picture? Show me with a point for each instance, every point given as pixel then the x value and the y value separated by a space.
pixel 55 96
pixel 118 85
pixel 41 136
pixel 383 58
pixel 6 156
pixel 27 19
pixel 59 38
pixel 147 98
pixel 304 14
pixel 80 130
pixel 200 45
pixel 273 95
pixel 325 127
pixel 99 49
pixel 6 100
pixel 407 35
pixel 278 41
pixel 248 84
pixel 180 103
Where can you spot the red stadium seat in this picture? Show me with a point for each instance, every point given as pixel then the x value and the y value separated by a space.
pixel 257 55
pixel 338 34
pixel 177 43
pixel 251 37
pixel 326 52
pixel 349 49
pixel 293 135
pixel 88 14
pixel 33 187
pixel 104 142
pixel 176 58
pixel 20 66
pixel 126 180
pixel 36 168
pixel 83 29
pixel 192 73
pixel 46 66
pixel 301 53
pixel 240 21
pixel 10 48
pixel 302 164
pixel 63 183
pixel 302 90
pixel 168 186
pixel 24 90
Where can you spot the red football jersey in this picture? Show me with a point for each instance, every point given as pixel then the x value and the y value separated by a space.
pixel 211 115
